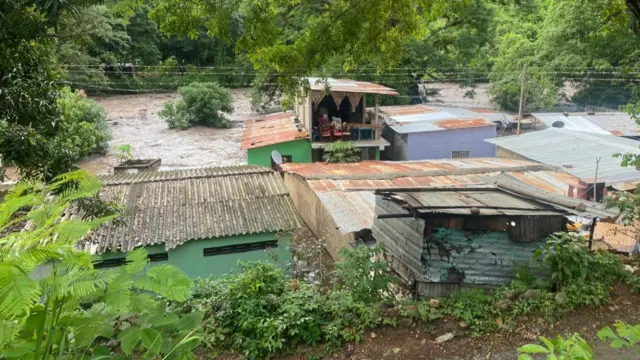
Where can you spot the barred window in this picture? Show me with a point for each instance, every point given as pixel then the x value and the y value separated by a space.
pixel 240 248
pixel 459 154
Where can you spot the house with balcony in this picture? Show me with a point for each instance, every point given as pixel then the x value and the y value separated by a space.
pixel 331 110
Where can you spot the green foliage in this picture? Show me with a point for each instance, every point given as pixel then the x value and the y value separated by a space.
pixel 474 307
pixel 201 104
pixel 573 348
pixel 53 304
pixel 624 336
pixel 123 152
pixel 341 152
pixel 82 113
pixel 260 311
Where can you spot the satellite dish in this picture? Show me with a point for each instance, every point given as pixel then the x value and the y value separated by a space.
pixel 558 124
pixel 276 157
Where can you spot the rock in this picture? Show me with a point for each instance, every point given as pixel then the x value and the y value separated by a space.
pixel 463 325
pixel 114 123
pixel 412 310
pixel 445 337
pixel 510 294
pixel 530 295
pixel 373 335
pixel 503 305
pixel 405 322
pixel 396 350
pixel 434 303
pixel 391 312
pixel 113 343
pixel 423 341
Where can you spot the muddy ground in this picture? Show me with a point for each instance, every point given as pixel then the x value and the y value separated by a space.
pixel 133 119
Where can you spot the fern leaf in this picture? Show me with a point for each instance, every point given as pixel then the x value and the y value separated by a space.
pixel 118 293
pixel 136 261
pixel 167 281
pixel 18 292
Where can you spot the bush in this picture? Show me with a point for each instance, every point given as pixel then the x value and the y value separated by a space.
pixel 341 152
pixel 201 104
pixel 86 120
pixel 260 311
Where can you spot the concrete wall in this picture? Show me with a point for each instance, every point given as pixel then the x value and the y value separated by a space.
pixel 300 150
pixel 397 150
pixel 440 144
pixel 316 216
pixel 189 256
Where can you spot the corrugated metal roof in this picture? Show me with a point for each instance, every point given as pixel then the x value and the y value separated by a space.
pixel 348 188
pixel 614 123
pixel 421 118
pixel 175 207
pixel 576 153
pixel 271 129
pixel 347 85
pixel 342 206
pixel 489 202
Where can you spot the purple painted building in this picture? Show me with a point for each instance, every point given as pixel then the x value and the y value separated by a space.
pixel 419 132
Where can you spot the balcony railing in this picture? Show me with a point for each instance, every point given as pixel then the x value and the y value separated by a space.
pixel 349 132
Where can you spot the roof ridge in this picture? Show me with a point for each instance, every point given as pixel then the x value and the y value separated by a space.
pixel 180 174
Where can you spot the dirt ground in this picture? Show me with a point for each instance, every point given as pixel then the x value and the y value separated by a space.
pixel 134 120
pixel 417 342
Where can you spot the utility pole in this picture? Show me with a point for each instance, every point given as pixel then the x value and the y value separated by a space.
pixel 595 179
pixel 523 87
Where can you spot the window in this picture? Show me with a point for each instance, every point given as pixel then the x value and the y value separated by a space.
pixel 240 248
pixel 458 154
pixel 158 257
pixel 111 263
pixel 285 159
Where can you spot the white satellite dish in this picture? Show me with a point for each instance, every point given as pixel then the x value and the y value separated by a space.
pixel 276 157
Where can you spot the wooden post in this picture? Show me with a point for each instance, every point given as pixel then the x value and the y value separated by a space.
pixel 364 108
pixel 523 79
pixel 595 180
pixel 591 231
pixel 377 117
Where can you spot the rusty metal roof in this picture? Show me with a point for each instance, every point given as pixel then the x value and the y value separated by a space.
pixel 347 85
pixel 271 129
pixel 347 189
pixel 421 118
pixel 177 206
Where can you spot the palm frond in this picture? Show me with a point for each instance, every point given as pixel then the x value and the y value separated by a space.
pixel 167 281
pixel 78 284
pixel 72 230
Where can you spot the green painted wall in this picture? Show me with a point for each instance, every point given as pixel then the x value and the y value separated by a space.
pixel 189 256
pixel 300 151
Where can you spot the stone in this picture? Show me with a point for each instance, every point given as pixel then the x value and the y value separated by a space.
pixel 510 294
pixel 445 337
pixel 434 303
pixel 405 322
pixel 113 343
pixel 373 335
pixel 412 310
pixel 503 305
pixel 530 295
pixel 391 312
pixel 463 325
pixel 396 350
pixel 423 341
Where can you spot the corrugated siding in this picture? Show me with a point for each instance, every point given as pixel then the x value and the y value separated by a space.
pixel 351 211
pixel 485 258
pixel 173 211
pixel 149 176
pixel 401 237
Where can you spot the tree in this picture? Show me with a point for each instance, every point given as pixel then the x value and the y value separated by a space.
pixel 201 104
pixel 33 134
pixel 145 39
pixel 54 304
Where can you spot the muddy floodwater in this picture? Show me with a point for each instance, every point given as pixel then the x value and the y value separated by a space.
pixel 133 120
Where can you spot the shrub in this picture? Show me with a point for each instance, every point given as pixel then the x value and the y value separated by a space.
pixel 86 122
pixel 201 104
pixel 341 152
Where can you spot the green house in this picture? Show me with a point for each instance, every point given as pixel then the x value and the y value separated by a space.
pixel 299 135
pixel 201 220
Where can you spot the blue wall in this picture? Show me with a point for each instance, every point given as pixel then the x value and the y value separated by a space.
pixel 440 144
